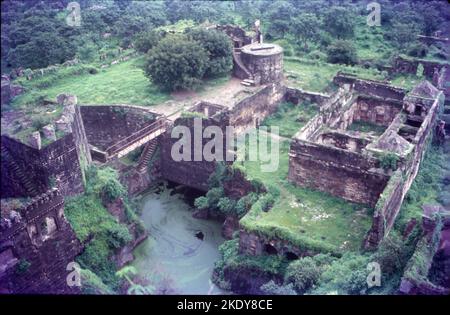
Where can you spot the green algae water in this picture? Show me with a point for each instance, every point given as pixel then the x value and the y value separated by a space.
pixel 180 252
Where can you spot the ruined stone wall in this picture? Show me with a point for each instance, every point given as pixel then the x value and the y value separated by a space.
pixel 295 96
pixel 390 201
pixel 21 163
pixel 409 66
pixel 61 162
pixel 376 110
pixel 106 125
pixel 254 244
pixel 342 141
pixel 370 87
pixel 35 252
pixel 339 172
pixel 191 173
pixel 254 109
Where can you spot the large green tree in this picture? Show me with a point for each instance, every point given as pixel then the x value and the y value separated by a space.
pixel 219 49
pixel 340 22
pixel 305 27
pixel 176 63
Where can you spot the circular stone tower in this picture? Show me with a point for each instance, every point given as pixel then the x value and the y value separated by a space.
pixel 263 61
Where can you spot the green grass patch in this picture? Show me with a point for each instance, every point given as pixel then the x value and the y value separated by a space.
pixel 308 218
pixel 290 117
pixel 317 76
pixel 121 83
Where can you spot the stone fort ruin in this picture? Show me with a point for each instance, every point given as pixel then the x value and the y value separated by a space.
pixel 327 154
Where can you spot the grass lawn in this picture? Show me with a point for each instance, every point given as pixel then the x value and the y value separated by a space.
pixel 290 118
pixel 317 76
pixel 304 216
pixel 121 83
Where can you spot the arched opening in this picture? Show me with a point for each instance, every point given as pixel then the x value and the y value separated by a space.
pixel 48 226
pixel 271 250
pixel 291 256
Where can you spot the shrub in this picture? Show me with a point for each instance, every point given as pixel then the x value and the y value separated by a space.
pixel 342 51
pixel 271 288
pixel 201 203
pixel 303 274
pixel 389 161
pixel 346 275
pixel 105 182
pixel 145 41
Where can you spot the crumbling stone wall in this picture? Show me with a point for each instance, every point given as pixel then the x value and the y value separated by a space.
pixel 345 174
pixel 36 249
pixel 390 201
pixel 193 173
pixel 432 246
pixel 56 164
pixel 295 96
pixel 409 66
pixel 252 110
pixel 108 124
pixel 61 163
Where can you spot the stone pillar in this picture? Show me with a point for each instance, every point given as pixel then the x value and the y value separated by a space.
pixel 35 140
pixel 49 132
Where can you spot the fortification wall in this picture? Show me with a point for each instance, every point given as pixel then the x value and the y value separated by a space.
pixel 391 199
pixel 105 125
pixel 252 110
pixel 296 96
pixel 36 249
pixel 59 163
pixel 192 173
pixel 342 173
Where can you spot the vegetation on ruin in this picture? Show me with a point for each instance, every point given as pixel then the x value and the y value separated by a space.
pixel 323 273
pixel 290 118
pixel 431 185
pixel 96 227
pixel 309 219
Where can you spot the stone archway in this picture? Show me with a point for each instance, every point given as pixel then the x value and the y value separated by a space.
pixel 270 249
pixel 291 256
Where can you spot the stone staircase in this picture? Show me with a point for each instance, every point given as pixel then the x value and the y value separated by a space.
pixel 27 183
pixel 242 68
pixel 248 82
pixel 146 155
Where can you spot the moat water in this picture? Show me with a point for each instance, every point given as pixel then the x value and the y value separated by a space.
pixel 180 252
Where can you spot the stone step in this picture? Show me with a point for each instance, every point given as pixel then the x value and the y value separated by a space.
pixel 146 155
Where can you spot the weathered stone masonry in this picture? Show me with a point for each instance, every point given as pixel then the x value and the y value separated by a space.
pixel 37 248
pixel 324 155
